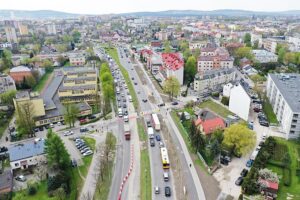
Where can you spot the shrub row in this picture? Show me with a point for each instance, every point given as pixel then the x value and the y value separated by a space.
pixel 90 121
pixel 276 163
pixel 287 176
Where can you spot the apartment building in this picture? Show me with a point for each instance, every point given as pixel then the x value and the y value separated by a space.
pixel 213 80
pixel 283 91
pixel 213 58
pixel 6 83
pixel 173 65
pixel 264 56
pixel 79 84
pixel 11 35
pixel 77 59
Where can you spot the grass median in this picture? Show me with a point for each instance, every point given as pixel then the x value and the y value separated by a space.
pixel 114 54
pixel 41 84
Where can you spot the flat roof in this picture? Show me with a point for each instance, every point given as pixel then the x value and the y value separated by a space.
pixel 22 94
pixel 289 87
pixel 79 87
pixel 26 150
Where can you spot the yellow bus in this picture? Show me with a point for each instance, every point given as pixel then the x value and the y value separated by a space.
pixel 165 158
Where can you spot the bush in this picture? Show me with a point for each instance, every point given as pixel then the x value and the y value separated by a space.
pixel 225 101
pixel 241 197
pixel 276 163
pixel 215 94
pixel 287 176
pixel 298 172
pixel 32 190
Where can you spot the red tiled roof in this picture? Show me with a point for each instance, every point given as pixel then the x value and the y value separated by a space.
pixel 212 124
pixel 269 184
pixel 146 51
pixel 198 122
pixel 172 61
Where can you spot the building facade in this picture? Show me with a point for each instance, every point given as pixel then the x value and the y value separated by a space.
pixel 19 73
pixel 284 95
pixel 6 83
pixel 264 56
pixel 173 65
pixel 11 35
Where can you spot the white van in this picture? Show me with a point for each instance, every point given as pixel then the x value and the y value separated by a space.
pixel 120 112
pixel 130 98
pixel 126 119
pixel 166 176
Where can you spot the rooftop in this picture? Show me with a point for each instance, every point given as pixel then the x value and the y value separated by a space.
pixel 210 74
pixel 22 94
pixel 20 69
pixel 80 87
pixel 289 87
pixel 6 181
pixel 173 61
pixel 26 150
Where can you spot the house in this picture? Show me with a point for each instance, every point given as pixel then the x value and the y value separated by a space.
pixel 6 184
pixel 20 73
pixel 173 65
pixel 249 70
pixel 6 83
pixel 264 56
pixel 239 101
pixel 77 59
pixel 26 155
pixel 268 188
pixel 208 126
pixel 245 61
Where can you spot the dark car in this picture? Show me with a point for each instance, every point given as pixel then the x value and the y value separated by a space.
pixel 41 128
pixel 145 100
pixel 167 191
pixel 92 117
pixel 152 142
pixel 158 137
pixel 36 130
pixel 239 181
pixel 249 163
pixel 149 124
pixel 162 104
pixel 244 172
pixel 47 126
pixel 73 163
pixel 224 161
pixel 135 83
pixel 174 103
pixel 124 105
pixel 264 123
pixel 132 78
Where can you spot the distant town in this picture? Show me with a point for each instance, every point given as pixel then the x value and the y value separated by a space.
pixel 186 105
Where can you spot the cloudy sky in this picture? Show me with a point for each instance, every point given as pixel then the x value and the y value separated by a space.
pixel 121 6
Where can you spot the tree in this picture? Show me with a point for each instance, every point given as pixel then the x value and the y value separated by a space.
pixel 255 44
pixel 171 86
pixel 6 60
pixel 281 54
pixel 61 48
pixel 60 194
pixel 244 52
pixel 30 81
pixel 36 48
pixel 62 60
pixel 196 52
pixel 190 69
pixel 267 174
pixel 225 100
pixel 167 47
pixel 8 96
pixel 289 58
pixel 71 112
pixel 286 160
pixel 25 118
pixel 56 153
pixel 240 138
pixel 247 39
pixel 76 36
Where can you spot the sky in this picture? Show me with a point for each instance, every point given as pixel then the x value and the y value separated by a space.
pixel 123 6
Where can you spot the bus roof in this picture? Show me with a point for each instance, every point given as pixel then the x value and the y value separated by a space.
pixel 155 118
pixel 164 154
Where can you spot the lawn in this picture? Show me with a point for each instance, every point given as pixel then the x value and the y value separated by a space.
pixel 268 110
pixel 4 125
pixel 145 178
pixel 114 54
pixel 216 108
pixel 41 84
pixel 291 147
pixel 103 186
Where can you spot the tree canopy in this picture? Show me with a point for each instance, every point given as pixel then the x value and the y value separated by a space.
pixel 171 86
pixel 240 138
pixel 244 52
pixel 8 96
pixel 247 39
pixel 70 114
pixel 190 69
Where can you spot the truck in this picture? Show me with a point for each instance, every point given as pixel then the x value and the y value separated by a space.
pixel 155 121
pixel 127 131
pixel 150 132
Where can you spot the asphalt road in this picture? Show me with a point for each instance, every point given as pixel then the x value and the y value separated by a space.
pixel 154 152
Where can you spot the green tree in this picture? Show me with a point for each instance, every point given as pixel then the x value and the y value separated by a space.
pixel 289 58
pixel 62 60
pixel 6 60
pixel 240 138
pixel 57 155
pixel 25 118
pixel 190 69
pixel 196 53
pixel 255 44
pixel 281 54
pixel 61 48
pixel 244 52
pixel 7 97
pixel 247 39
pixel 30 81
pixel 71 112
pixel 76 36
pixel 171 86
pixel 67 39
pixel 225 100
pixel 167 47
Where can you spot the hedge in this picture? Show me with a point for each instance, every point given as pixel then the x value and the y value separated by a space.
pixel 298 172
pixel 276 163
pixel 287 176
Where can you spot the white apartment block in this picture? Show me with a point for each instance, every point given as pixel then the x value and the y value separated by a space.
pixel 51 28
pixel 283 91
pixel 6 83
pixel 197 45
pixel 11 35
pixel 264 56
pixel 256 37
pixel 214 79
pixel 295 43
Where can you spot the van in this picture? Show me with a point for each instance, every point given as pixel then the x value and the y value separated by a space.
pixel 126 118
pixel 120 112
pixel 166 176
pixel 130 98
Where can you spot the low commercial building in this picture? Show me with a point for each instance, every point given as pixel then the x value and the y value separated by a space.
pixel 283 91
pixel 6 83
pixel 264 56
pixel 239 101
pixel 26 155
pixel 20 73
pixel 213 80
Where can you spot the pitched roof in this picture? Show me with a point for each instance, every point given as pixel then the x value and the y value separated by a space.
pixel 172 61
pixel 212 124
pixel 20 69
pixel 269 184
pixel 26 150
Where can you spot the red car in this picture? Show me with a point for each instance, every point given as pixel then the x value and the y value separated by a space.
pixel 82 120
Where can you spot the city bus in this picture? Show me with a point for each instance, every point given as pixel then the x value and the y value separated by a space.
pixel 165 158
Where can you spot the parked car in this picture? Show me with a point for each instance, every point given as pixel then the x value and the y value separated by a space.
pixel 239 181
pixel 41 128
pixel 244 172
pixel 157 190
pixel 92 117
pixel 85 150
pixel 135 83
pixel 167 191
pixel 152 142
pixel 82 121
pixel 87 153
pixel 161 144
pixel 21 178
pixel 73 163
pixel 174 103
pixel 249 163
pixel 149 124
pixel 145 100
pixel 162 104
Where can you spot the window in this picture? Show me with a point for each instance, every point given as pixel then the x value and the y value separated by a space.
pixel 16 164
pixel 293 126
pixel 292 132
pixel 294 121
pixel 295 115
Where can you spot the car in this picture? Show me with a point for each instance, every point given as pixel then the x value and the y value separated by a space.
pixel 82 120
pixel 239 181
pixel 76 138
pixel 161 144
pixel 174 103
pixel 73 163
pixel 83 147
pixel 21 178
pixel 124 100
pixel 83 129
pixel 156 190
pixel 132 78
pixel 224 161
pixel 152 142
pixel 58 123
pixel 47 126
pixel 149 124
pixel 256 109
pixel 162 104
pixel 92 117
pixel 51 125
pixel 87 153
pixel 167 191
pixel 249 163
pixel 80 145
pixel 135 83
pixel 157 137
pixel 66 133
pixel 124 105
pixel 41 128
pixel 85 150
pixel 145 100
pixel 261 143
pixel 244 172
pixel 36 130
pixel 264 123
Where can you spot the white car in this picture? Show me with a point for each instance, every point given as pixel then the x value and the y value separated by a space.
pixel 85 150
pixel 67 133
pixel 87 153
